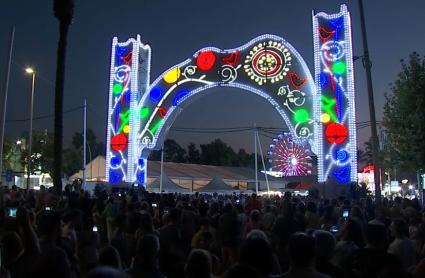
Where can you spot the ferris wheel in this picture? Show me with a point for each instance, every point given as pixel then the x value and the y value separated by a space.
pixel 290 158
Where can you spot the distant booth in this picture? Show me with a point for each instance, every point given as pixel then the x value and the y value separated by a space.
pixel 317 107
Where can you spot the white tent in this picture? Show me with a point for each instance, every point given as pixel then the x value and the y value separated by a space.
pixel 167 185
pixel 95 170
pixel 216 185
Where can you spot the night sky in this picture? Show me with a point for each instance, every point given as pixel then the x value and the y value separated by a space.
pixel 176 30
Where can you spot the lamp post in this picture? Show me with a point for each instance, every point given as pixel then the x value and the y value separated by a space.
pixel 32 72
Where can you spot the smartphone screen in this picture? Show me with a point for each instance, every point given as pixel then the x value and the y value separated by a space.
pixel 154 205
pixel 48 208
pixel 95 228
pixel 12 212
pixel 334 229
pixel 345 213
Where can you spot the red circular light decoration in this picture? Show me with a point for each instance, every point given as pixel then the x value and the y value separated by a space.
pixel 205 60
pixel 336 133
pixel 162 112
pixel 267 62
pixel 118 142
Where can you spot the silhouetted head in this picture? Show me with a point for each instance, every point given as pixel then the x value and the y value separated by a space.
pixel 198 264
pixel 49 224
pixel 147 249
pixel 302 250
pixel 325 244
pixel 257 253
pixel 376 236
pixel 109 256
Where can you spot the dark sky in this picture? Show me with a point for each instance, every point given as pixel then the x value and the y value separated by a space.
pixel 175 30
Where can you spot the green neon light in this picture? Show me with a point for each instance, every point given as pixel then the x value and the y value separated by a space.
pixel 156 126
pixel 117 89
pixel 144 112
pixel 301 116
pixel 339 68
pixel 125 119
pixel 327 106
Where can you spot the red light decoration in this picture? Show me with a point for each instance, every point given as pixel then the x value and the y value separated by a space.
pixel 296 81
pixel 205 60
pixel 127 58
pixel 336 133
pixel 232 59
pixel 118 142
pixel 162 112
pixel 368 169
pixel 325 34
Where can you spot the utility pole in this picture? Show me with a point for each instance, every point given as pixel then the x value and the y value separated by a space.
pixel 375 142
pixel 162 168
pixel 84 144
pixel 6 89
pixel 256 167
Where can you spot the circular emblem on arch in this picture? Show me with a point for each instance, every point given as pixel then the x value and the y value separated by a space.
pixel 268 61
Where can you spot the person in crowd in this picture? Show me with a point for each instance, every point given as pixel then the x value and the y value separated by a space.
pixel 325 246
pixel 109 256
pixel 53 260
pixel 145 264
pixel 198 264
pixel 170 238
pixel 373 259
pixel 312 219
pixel 302 255
pixel 350 239
pixel 402 247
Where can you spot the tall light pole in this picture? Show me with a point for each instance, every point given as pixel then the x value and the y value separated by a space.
pixel 29 162
pixel 375 142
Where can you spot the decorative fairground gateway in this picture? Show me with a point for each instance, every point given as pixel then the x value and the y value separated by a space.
pixel 319 112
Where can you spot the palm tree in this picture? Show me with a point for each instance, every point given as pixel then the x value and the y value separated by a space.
pixel 64 12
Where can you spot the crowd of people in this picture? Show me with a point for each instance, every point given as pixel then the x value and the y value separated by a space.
pixel 135 233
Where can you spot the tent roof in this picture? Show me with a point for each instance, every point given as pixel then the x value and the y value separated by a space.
pixel 217 184
pixel 95 170
pixel 167 185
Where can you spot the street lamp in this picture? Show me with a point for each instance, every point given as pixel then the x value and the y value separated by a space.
pixel 32 72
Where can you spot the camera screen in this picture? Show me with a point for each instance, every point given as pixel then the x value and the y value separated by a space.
pixel 12 212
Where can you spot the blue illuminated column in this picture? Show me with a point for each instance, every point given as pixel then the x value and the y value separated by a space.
pixel 334 81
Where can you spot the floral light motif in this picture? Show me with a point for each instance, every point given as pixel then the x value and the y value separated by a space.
pixel 268 61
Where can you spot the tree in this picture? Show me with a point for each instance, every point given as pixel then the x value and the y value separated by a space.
pixel 404 116
pixel 64 12
pixel 42 152
pixel 218 153
pixel 173 152
pixel 73 159
pixel 94 148
pixel 193 155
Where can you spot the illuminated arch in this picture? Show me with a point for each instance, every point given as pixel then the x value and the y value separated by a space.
pixel 140 112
